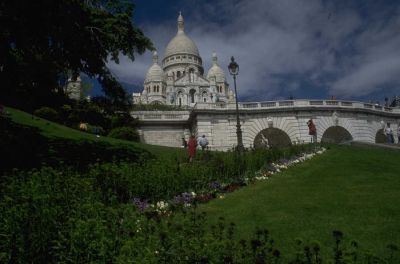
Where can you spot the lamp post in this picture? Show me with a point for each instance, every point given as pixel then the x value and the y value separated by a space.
pixel 234 70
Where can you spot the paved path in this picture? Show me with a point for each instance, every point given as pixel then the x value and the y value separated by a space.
pixel 379 145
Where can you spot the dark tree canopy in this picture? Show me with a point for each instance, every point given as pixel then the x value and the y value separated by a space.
pixel 43 40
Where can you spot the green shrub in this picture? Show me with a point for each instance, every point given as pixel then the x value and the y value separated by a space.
pixel 122 120
pixel 47 113
pixel 126 133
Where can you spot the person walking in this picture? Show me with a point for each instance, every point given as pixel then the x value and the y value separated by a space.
pixel 192 144
pixel 203 142
pixel 389 133
pixel 398 133
pixel 312 130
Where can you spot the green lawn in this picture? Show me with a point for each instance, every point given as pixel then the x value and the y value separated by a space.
pixel 53 130
pixel 352 189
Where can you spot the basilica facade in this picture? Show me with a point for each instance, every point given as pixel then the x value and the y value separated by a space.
pixel 180 80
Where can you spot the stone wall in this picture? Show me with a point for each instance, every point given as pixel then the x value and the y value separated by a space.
pixel 218 122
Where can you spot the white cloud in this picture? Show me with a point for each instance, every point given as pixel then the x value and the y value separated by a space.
pixel 332 48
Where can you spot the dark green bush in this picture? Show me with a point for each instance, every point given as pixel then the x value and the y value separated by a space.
pixel 47 113
pixel 127 133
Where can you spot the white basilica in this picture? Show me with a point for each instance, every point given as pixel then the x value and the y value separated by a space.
pixel 179 80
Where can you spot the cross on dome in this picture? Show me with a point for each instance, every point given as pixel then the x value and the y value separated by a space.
pixel 214 58
pixel 181 26
pixel 155 57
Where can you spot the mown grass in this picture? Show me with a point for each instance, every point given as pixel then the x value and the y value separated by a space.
pixel 352 189
pixel 53 130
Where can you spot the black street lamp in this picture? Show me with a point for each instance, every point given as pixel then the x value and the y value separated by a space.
pixel 234 70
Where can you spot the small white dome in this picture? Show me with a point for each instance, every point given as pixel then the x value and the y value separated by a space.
pixel 155 73
pixel 181 43
pixel 216 71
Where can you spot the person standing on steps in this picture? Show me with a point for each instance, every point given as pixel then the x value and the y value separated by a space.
pixel 192 144
pixel 312 131
pixel 389 134
pixel 398 133
pixel 203 142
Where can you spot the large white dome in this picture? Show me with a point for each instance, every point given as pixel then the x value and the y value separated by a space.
pixel 181 43
pixel 216 71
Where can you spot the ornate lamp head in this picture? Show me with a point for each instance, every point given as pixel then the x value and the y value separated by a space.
pixel 233 67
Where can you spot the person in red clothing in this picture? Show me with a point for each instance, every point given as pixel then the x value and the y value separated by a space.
pixel 312 131
pixel 192 144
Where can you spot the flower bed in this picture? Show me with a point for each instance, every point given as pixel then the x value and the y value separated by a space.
pixel 216 189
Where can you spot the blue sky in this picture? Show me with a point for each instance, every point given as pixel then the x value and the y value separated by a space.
pixel 303 48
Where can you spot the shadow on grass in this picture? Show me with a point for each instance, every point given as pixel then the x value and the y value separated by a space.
pixel 24 147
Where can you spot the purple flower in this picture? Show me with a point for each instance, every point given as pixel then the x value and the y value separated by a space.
pixel 187 197
pixel 184 198
pixel 140 204
pixel 214 185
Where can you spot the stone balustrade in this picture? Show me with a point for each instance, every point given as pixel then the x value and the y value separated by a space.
pixel 298 103
pixel 335 120
pixel 161 115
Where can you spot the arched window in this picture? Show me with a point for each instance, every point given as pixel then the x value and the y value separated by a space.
pixel 154 88
pixel 204 95
pixel 192 92
pixel 178 74
pixel 180 98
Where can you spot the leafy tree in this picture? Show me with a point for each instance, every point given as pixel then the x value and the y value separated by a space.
pixel 41 41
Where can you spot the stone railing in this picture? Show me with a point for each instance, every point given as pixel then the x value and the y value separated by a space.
pixel 298 103
pixel 179 116
pixel 161 115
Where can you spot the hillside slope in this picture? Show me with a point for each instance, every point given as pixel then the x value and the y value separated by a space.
pixel 27 141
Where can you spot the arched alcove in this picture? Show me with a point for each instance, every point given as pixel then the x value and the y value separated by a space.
pixel 192 96
pixel 274 137
pixel 336 134
pixel 380 136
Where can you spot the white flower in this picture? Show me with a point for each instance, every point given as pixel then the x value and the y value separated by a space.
pixel 161 205
pixel 193 194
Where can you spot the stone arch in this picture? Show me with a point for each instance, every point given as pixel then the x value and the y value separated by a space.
pixel 274 137
pixel 324 122
pixel 336 134
pixel 380 136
